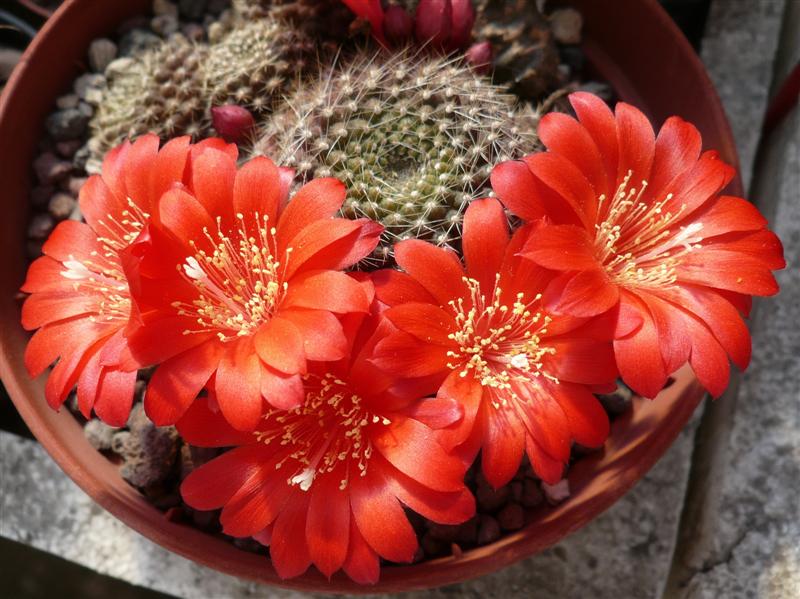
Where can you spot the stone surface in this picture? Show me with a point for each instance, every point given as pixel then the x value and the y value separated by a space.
pixel 739 46
pixel 753 530
pixel 624 553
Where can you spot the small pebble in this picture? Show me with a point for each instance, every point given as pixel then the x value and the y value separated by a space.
pixel 40 227
pixel 50 168
pixel 488 530
pixel 67 149
pixel 490 500
pixel 40 196
pixel 192 10
pixel 99 434
pixel 164 25
pixel 566 25
pixel 137 41
pixel 432 546
pixel 556 493
pixel 33 249
pixel 193 32
pixel 67 101
pixel 468 532
pixel 511 517
pixel 81 158
pixel 75 184
pixel 618 402
pixel 215 7
pixel 516 491
pixel 70 123
pixel 87 82
pixel 61 206
pixel 532 495
pixel 165 7
pixel 443 532
pixel 101 52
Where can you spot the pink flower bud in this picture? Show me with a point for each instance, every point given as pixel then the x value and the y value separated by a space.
pixel 434 22
pixel 462 22
pixel 232 122
pixel 398 24
pixel 480 56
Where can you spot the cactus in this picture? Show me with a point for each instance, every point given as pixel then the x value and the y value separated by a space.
pixel 254 61
pixel 159 92
pixel 321 20
pixel 413 137
pixel 525 53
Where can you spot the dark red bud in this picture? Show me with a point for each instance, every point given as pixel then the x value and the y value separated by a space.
pixel 398 24
pixel 463 20
pixel 433 22
pixel 232 122
pixel 480 56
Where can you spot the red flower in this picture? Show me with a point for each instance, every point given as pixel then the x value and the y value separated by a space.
pixel 636 223
pixel 325 483
pixel 445 24
pixel 236 287
pixel 483 335
pixel 80 300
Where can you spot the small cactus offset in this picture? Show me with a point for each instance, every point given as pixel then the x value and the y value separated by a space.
pixel 326 22
pixel 255 61
pixel 525 53
pixel 412 136
pixel 159 92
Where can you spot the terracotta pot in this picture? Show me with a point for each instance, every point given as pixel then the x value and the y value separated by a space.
pixel 631 43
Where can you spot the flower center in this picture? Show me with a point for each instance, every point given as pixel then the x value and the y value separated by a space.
pixel 328 432
pixel 239 281
pixel 637 241
pixel 101 274
pixel 501 345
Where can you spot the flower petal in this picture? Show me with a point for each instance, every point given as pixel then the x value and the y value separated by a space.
pixel 115 396
pixel 437 269
pixel 213 484
pixel 176 383
pixel 561 247
pixel 257 189
pixel 678 147
pixel 517 188
pixel 203 427
pixel 584 294
pixel 404 354
pixel 362 563
pixel 485 237
pixel 280 344
pixel 639 355
pixel 237 386
pixel 427 322
pixel 411 447
pixel 326 290
pixel 280 390
pixel 588 421
pixel 328 525
pixel 213 178
pixel 597 118
pixel 502 447
pixel 636 143
pixel 319 199
pixel 393 287
pixel 289 549
pixel 322 333
pixel 380 518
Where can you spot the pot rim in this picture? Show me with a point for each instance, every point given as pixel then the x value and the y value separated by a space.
pixel 637 441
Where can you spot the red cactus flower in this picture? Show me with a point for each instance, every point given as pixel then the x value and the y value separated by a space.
pixel 325 483
pixel 236 290
pixel 445 24
pixel 636 223
pixel 482 337
pixel 80 300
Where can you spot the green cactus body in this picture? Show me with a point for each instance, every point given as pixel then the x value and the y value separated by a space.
pixel 413 137
pixel 157 92
pixel 255 61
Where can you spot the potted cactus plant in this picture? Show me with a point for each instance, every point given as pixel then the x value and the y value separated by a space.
pixel 405 277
